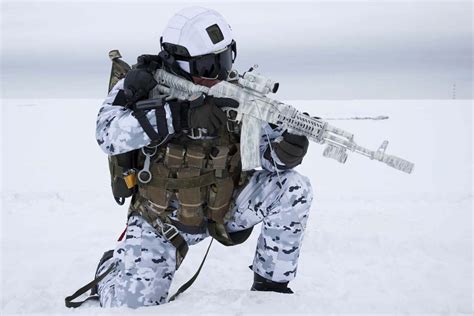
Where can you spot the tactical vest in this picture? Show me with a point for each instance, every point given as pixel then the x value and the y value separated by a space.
pixel 194 178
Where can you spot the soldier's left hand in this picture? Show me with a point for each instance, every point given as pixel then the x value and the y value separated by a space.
pixel 205 112
pixel 291 149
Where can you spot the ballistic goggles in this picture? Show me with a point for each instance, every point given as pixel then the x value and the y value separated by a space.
pixel 215 65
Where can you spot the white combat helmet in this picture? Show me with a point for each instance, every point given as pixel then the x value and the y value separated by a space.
pixel 201 33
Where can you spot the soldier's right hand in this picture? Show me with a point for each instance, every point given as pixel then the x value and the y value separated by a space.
pixel 137 85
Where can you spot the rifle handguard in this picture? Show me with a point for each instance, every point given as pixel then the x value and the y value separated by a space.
pixel 255 107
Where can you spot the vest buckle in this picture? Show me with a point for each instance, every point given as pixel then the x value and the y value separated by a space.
pixel 169 231
pixel 195 133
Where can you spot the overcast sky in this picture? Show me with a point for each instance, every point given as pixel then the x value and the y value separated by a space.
pixel 316 50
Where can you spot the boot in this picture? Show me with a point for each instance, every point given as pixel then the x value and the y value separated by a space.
pixel 262 284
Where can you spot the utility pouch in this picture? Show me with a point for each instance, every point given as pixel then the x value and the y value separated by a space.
pixel 195 157
pixel 174 157
pixel 159 196
pixel 123 175
pixel 190 200
pixel 235 167
pixel 220 195
pixel 219 159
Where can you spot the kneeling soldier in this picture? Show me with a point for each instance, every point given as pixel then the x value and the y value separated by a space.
pixel 190 184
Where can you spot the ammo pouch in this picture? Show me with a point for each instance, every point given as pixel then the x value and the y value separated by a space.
pixel 199 182
pixel 123 175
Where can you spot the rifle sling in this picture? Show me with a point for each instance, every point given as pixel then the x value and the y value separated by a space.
pixel 186 285
pixel 69 300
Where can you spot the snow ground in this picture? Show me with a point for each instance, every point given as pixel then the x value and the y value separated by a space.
pixel 378 241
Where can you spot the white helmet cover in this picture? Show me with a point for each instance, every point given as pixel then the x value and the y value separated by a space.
pixel 200 30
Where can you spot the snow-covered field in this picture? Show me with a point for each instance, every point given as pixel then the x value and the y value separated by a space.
pixel 378 241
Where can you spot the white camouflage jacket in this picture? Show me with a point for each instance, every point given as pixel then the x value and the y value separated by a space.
pixel 118 131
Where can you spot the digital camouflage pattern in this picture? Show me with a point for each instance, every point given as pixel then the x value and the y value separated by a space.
pixel 144 268
pixel 282 204
pixel 117 130
pixel 146 261
pixel 277 197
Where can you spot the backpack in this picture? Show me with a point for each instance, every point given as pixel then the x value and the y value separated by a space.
pixel 123 178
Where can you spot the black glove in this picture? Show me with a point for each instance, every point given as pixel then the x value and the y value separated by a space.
pixel 205 112
pixel 137 85
pixel 291 149
pixel 148 62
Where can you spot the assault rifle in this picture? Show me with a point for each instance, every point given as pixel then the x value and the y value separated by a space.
pixel 250 90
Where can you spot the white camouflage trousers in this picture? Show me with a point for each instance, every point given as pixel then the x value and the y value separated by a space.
pixel 145 261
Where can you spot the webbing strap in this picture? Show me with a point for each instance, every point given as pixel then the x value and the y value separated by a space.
pixel 183 183
pixel 190 229
pixel 146 125
pixel 186 285
pixel 170 233
pixel 69 300
pixel 218 232
pixel 161 122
